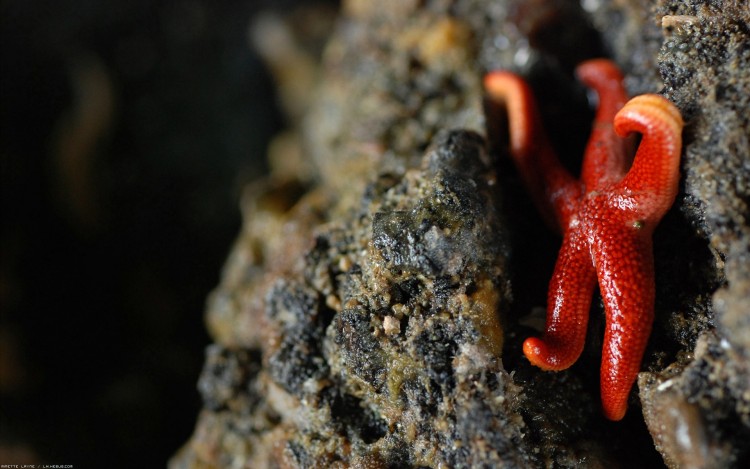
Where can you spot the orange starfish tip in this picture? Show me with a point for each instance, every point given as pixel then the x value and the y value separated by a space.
pixel 538 353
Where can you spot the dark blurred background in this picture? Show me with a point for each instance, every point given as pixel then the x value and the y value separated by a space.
pixel 128 128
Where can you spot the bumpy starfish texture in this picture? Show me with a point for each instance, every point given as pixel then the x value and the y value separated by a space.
pixel 607 218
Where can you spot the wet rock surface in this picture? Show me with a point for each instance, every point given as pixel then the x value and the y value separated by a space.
pixel 372 309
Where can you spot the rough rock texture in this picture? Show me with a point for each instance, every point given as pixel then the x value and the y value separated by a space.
pixel 705 62
pixel 372 310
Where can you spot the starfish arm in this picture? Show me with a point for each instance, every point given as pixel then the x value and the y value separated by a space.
pixel 625 269
pixel 605 161
pixel 568 303
pixel 653 177
pixel 550 184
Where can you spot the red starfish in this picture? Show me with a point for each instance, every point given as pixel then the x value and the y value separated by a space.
pixel 607 218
